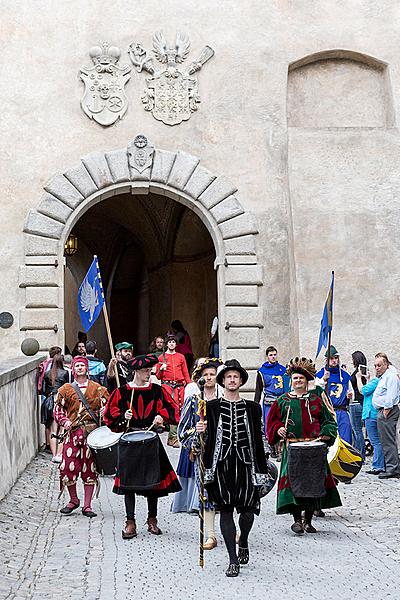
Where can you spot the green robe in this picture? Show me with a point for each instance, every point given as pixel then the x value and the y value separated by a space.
pixel 309 418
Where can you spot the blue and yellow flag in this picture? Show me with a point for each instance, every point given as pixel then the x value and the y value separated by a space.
pixel 327 319
pixel 90 296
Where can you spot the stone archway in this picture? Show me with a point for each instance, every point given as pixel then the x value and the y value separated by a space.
pixel 177 175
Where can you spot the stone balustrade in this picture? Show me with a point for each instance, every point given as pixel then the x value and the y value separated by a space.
pixel 20 431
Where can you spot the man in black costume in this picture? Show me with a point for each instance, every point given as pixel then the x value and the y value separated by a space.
pixel 234 460
pixel 139 405
pixel 120 364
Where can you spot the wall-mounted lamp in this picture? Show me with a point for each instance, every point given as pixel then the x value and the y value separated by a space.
pixel 71 245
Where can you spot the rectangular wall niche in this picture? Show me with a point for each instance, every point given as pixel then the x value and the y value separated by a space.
pixel 338 92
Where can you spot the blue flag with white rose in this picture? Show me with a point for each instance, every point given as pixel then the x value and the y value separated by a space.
pixel 90 296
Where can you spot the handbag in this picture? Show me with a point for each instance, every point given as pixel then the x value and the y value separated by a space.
pixel 46 410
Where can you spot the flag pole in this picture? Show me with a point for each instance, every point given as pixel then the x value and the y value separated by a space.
pixel 110 341
pixel 329 339
pixel 107 323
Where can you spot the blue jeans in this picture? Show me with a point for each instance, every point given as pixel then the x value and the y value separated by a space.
pixel 356 425
pixel 378 460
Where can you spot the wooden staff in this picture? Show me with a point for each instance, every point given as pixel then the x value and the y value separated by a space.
pixel 107 321
pixel 202 412
pixel 329 341
pixel 110 342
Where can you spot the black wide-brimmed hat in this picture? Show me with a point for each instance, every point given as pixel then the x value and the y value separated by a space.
pixel 231 365
pixel 143 361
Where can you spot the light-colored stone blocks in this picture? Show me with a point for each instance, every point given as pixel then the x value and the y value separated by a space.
pixel 244 316
pixel 244 224
pixel 227 209
pixel 42 297
pixel 182 169
pixel 241 245
pixel 198 182
pixel 217 191
pixel 243 337
pixel 162 165
pixel 241 295
pixel 39 224
pixel 250 275
pixel 249 359
pixel 117 161
pixel 53 207
pixel 40 246
pixel 39 318
pixel 98 169
pixel 80 178
pixel 61 188
pixel 39 276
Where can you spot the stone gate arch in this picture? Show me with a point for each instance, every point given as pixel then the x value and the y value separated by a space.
pixel 177 175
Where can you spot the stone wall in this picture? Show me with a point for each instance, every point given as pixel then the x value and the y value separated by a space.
pixel 298 110
pixel 20 430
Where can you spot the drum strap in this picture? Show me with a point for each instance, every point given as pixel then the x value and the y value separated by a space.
pixel 85 402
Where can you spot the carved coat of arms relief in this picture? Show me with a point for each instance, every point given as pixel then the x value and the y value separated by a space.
pixel 104 98
pixel 172 93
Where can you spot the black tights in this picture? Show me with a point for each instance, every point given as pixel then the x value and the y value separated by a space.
pixel 308 514
pixel 228 530
pixel 130 503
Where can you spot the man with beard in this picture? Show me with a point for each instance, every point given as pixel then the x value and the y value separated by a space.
pixel 119 365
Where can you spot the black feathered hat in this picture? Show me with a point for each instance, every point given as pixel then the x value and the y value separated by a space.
pixel 143 361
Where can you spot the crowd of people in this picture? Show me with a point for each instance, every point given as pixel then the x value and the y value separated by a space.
pixel 225 440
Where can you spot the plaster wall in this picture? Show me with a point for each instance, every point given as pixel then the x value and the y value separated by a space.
pixel 240 131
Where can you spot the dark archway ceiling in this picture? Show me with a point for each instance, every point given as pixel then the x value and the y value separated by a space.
pixel 160 227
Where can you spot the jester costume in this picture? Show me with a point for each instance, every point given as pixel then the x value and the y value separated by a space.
pixel 309 418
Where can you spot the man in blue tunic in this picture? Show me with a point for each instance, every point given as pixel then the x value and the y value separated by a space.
pixel 339 391
pixel 271 381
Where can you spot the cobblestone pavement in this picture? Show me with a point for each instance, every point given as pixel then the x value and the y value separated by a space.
pixel 355 554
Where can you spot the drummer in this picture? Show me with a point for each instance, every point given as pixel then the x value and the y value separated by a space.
pixel 300 415
pixel 140 405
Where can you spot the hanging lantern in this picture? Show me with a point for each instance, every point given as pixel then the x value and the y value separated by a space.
pixel 71 245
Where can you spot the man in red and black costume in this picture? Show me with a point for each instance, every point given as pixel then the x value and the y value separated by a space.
pixel 138 405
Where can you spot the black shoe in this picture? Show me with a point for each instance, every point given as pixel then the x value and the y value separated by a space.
pixel 308 528
pixel 87 512
pixel 67 510
pixel 297 527
pixel 374 471
pixel 319 513
pixel 233 570
pixel 387 475
pixel 243 556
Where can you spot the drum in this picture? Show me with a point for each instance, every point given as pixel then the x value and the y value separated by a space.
pixel 104 446
pixel 344 461
pixel 307 469
pixel 138 460
pixel 272 477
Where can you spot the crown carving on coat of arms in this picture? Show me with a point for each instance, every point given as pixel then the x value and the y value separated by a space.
pixel 105 54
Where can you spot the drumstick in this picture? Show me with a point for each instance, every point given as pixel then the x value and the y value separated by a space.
pixel 286 422
pixel 130 407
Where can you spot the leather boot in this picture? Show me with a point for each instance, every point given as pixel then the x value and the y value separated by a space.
pixel 130 530
pixel 152 526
